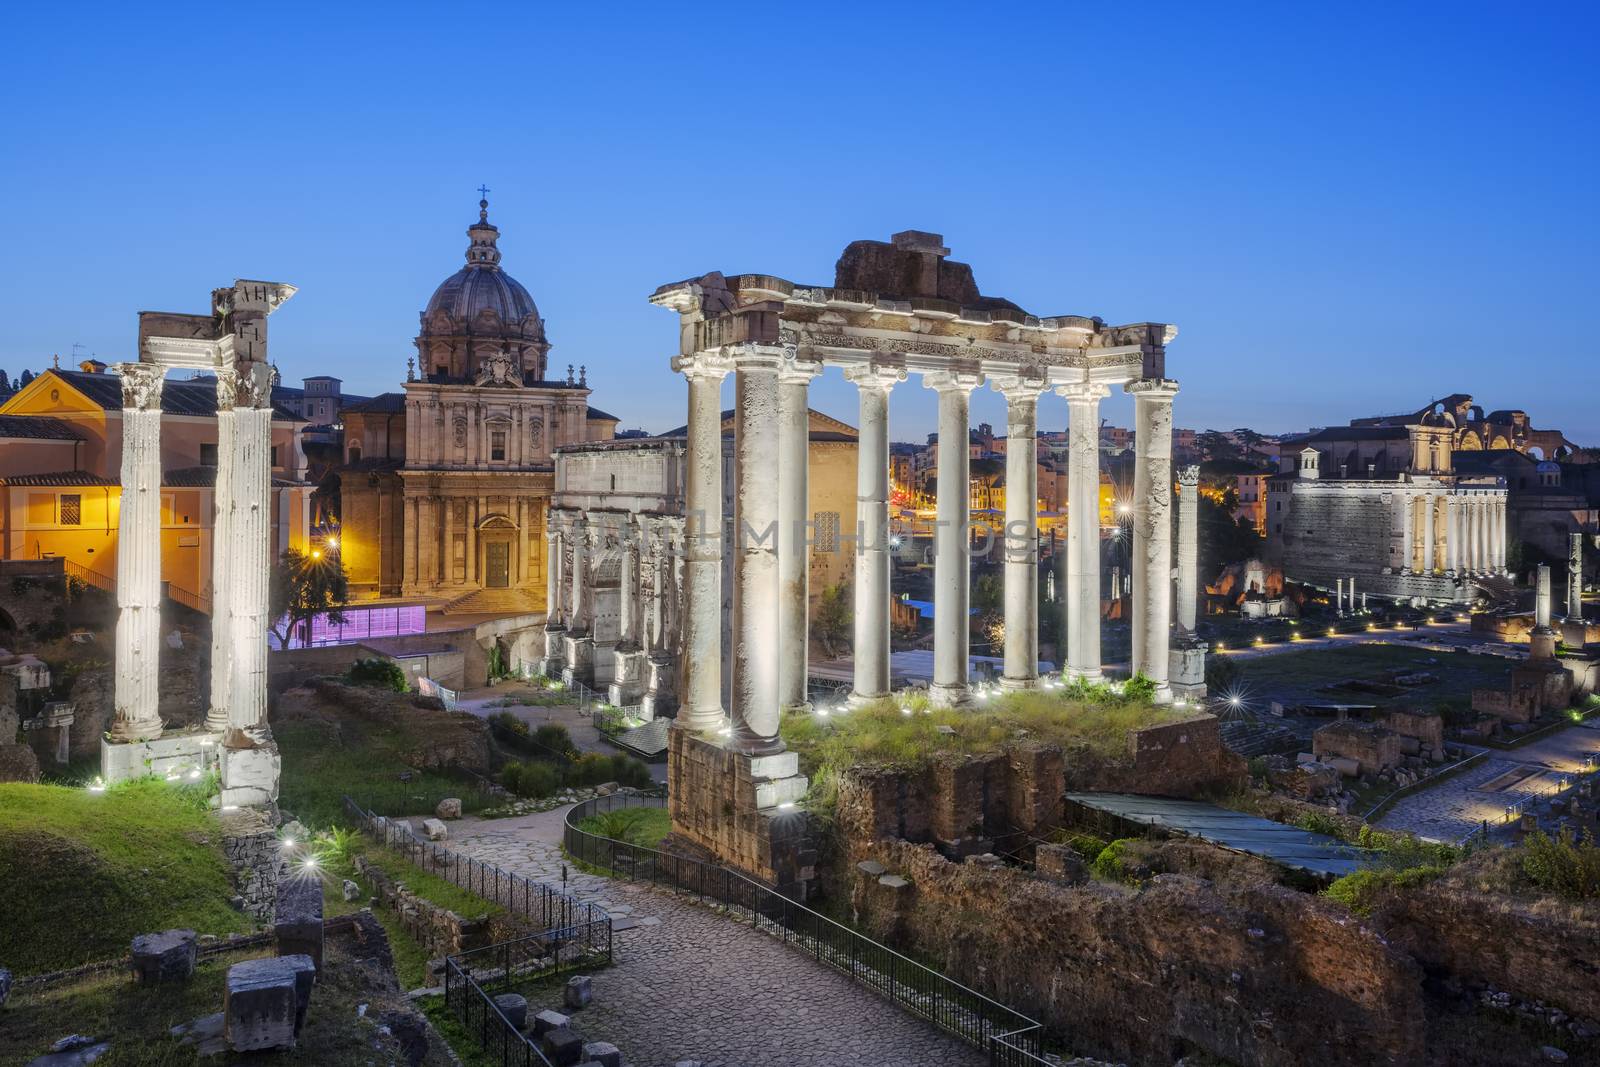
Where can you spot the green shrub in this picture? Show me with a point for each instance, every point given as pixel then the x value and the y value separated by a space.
pixel 595 768
pixel 382 673
pixel 1565 864
pixel 1360 890
pixel 1086 845
pixel 1139 689
pixel 1257 767
pixel 1110 864
pixel 1318 823
pixel 636 826
pixel 532 779
pixel 553 737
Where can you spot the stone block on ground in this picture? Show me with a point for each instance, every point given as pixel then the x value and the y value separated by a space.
pixel 250 776
pixel 351 890
pixel 578 993
pixel 165 957
pixel 5 986
pixel 562 1047
pixel 73 1051
pixel 603 1053
pixel 410 1031
pixel 514 1006
pixel 18 764
pixel 449 808
pixel 261 1003
pixel 545 1021
pixel 1060 863
pixel 434 830
pixel 297 918
pixel 871 868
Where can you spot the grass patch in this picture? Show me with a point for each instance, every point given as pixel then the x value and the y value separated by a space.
pixel 1302 677
pixel 637 826
pixel 428 885
pixel 81 874
pixel 324 762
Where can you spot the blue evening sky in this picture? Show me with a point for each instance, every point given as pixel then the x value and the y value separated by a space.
pixel 1347 209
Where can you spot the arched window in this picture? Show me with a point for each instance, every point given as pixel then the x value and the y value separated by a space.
pixel 355 453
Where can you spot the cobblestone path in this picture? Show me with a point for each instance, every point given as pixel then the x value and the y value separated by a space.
pixel 690 984
pixel 1453 809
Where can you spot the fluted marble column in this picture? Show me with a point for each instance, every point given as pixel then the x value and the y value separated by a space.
pixel 555 551
pixel 251 539
pixel 1022 532
pixel 1152 530
pixel 702 623
pixel 1188 547
pixel 1408 533
pixel 1083 528
pixel 1502 533
pixel 578 618
pixel 628 589
pixel 1452 535
pixel 138 664
pixel 1427 533
pixel 794 541
pixel 952 565
pixel 871 653
pixel 1575 576
pixel 756 711
pixel 221 554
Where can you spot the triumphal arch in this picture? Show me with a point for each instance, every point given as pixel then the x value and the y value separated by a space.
pixel 896 309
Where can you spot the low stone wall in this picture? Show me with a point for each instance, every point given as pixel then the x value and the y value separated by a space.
pixel 441 931
pixel 1177 759
pixel 1252 973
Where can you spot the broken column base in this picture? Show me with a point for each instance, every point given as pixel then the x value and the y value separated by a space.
pixel 250 776
pixel 1186 670
pixel 579 652
pixel 743 809
pixel 627 676
pixel 181 754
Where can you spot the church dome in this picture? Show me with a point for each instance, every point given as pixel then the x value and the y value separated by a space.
pixel 481 285
pixel 480 316
pixel 474 289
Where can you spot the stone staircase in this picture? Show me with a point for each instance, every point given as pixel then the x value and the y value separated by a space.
pixel 495 602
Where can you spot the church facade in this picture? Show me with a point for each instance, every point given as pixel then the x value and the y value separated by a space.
pixel 445 488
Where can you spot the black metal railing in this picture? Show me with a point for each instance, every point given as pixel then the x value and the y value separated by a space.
pixel 1010 1038
pixel 472 980
pixel 547 907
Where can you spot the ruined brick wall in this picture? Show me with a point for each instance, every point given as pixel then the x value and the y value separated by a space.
pixel 1376 748
pixel 441 931
pixel 717 802
pixel 1254 974
pixel 1179 759
pixel 1424 730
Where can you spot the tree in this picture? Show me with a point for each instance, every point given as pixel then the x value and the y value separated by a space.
pixel 27 376
pixel 834 618
pixel 304 586
pixel 5 382
pixel 1215 446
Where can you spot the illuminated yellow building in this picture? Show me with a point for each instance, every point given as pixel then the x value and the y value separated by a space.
pixel 60 466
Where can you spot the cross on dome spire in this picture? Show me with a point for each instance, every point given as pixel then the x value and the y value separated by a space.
pixel 483 204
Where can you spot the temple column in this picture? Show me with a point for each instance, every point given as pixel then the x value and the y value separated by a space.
pixel 1502 532
pixel 408 560
pixel 1452 535
pixel 628 657
pixel 251 547
pixel 555 630
pixel 1083 529
pixel 578 643
pixel 1188 547
pixel 756 446
pixel 1021 533
pixel 1428 533
pixel 221 554
pixel 1479 541
pixel 1407 531
pixel 952 564
pixel 447 572
pixel 471 533
pixel 1575 576
pixel 702 507
pixel 1152 530
pixel 873 567
pixel 138 662
pixel 794 543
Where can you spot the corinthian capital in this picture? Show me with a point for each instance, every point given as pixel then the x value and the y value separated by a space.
pixel 710 364
pixel 1018 388
pixel 253 386
pixel 953 380
pixel 1189 476
pixel 141 385
pixel 1083 392
pixel 1157 389
pixel 879 376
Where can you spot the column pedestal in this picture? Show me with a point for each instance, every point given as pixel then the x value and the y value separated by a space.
pixel 577 659
pixel 660 696
pixel 1186 668
pixel 555 651
pixel 627 676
